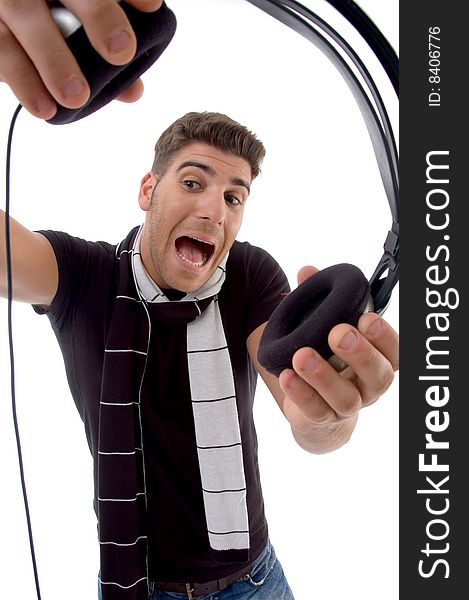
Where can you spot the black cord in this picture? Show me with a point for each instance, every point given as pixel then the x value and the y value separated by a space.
pixel 10 339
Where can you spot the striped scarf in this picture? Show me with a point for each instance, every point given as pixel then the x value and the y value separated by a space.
pixel 121 489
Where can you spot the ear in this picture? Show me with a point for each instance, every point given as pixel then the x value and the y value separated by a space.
pixel 147 186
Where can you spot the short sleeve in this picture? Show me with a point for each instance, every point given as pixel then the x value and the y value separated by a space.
pixel 79 269
pixel 262 281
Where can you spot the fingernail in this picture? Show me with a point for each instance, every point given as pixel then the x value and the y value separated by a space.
pixel 311 364
pixel 348 341
pixel 74 87
pixel 118 41
pixel 375 327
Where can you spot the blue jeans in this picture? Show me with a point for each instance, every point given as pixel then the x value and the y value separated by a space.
pixel 266 581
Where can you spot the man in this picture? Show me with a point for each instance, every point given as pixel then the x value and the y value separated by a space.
pixel 144 328
pixel 160 337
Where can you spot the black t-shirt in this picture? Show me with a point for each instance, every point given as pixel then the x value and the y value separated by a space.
pixel 179 549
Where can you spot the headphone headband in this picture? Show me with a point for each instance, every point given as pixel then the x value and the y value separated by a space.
pixel 308 24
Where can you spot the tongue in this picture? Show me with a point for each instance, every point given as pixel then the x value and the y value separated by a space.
pixel 190 249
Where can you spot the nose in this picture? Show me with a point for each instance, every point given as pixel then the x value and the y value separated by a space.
pixel 212 206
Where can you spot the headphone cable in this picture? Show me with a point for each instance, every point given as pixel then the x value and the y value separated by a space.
pixel 10 340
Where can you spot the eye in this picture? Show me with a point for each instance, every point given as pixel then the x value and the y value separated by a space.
pixel 191 184
pixel 233 200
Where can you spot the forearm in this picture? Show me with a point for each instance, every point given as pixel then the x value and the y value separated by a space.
pixel 326 438
pixel 3 268
pixel 34 267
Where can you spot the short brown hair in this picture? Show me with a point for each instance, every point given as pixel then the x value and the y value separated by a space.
pixel 215 129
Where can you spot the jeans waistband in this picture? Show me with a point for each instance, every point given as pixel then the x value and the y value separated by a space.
pixel 195 590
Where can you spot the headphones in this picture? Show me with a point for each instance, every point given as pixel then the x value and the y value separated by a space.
pixel 337 294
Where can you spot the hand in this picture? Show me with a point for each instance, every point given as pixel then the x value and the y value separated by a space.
pixel 322 405
pixel 36 62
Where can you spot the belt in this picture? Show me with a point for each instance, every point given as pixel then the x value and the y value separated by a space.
pixel 196 590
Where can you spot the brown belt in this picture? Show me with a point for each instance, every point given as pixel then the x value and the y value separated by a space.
pixel 196 590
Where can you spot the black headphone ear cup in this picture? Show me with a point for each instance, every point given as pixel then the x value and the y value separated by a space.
pixel 338 294
pixel 154 31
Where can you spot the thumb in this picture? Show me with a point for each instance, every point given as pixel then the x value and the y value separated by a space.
pixel 305 273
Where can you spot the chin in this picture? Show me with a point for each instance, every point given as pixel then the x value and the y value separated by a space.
pixel 193 286
pixel 185 284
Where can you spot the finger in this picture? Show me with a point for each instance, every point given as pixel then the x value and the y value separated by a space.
pixel 305 273
pixel 370 370
pixel 20 74
pixel 146 5
pixel 132 93
pixel 382 336
pixel 107 28
pixel 303 406
pixel 47 50
pixel 338 392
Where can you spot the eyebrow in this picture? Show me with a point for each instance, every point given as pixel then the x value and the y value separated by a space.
pixel 207 169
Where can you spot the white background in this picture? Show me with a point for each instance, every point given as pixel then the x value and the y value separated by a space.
pixel 333 518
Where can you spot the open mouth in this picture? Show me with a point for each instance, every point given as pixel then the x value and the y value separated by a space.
pixel 194 251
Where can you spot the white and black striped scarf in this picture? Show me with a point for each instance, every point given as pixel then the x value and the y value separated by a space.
pixel 121 493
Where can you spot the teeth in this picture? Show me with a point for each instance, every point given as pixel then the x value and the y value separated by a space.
pixel 199 263
pixel 203 241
